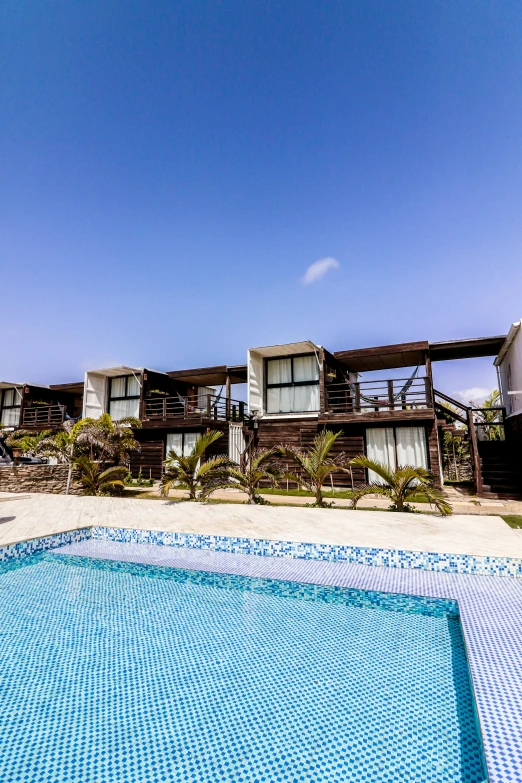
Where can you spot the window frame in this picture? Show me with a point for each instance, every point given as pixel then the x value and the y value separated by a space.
pixel 4 407
pixel 292 383
pixel 182 433
pixel 126 396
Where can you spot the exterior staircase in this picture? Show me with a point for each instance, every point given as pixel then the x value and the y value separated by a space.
pixel 501 468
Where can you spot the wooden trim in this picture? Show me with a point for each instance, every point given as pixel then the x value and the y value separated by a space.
pixel 477 468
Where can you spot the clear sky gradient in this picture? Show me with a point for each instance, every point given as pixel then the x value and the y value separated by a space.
pixel 170 170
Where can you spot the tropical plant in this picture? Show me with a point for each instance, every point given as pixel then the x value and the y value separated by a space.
pixel 489 418
pixel 260 467
pixel 400 485
pixel 189 472
pixel 34 443
pixel 97 480
pixel 456 457
pixel 108 440
pixel 315 465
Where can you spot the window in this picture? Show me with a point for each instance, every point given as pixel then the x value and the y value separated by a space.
pixel 124 397
pixel 292 384
pixel 396 446
pixel 10 409
pixel 182 443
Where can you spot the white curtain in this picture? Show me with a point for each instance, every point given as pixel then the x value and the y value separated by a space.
pixel 279 371
pixel 306 368
pixel 10 417
pixel 120 409
pixel 133 387
pixel 180 445
pixel 380 447
pixel 411 447
pixel 292 399
pixel 118 387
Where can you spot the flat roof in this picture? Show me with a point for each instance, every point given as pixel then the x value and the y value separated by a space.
pixel 210 376
pixel 470 348
pixel 384 357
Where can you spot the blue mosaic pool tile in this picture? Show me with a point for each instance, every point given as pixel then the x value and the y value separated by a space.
pixel 389 558
pixel 23 548
pixel 110 676
pixel 490 611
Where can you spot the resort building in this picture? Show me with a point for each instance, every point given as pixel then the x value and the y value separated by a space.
pixel 381 400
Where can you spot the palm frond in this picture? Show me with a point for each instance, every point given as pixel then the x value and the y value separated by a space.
pixel 379 468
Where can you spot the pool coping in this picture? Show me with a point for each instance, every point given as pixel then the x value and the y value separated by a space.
pixel 371 556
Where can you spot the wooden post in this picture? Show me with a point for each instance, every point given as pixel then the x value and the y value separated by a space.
pixel 228 395
pixel 357 396
pixel 430 400
pixel 474 450
pixel 391 401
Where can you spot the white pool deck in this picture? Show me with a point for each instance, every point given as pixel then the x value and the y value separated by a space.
pixel 23 517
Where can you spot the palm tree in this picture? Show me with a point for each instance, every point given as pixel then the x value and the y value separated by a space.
pixel 34 443
pixel 315 465
pixel 106 439
pixel 95 480
pixel 188 472
pixel 261 466
pixel 489 417
pixel 400 485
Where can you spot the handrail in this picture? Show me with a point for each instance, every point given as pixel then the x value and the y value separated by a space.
pixel 215 408
pixel 379 395
pixel 43 414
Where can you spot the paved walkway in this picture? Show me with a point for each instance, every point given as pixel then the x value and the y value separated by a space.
pixel 31 516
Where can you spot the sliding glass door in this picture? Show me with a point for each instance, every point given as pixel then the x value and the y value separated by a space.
pixel 396 446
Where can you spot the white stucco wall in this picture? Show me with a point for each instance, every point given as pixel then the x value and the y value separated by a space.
pixel 510 371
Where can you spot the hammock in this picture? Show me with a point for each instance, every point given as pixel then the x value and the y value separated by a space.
pixel 404 390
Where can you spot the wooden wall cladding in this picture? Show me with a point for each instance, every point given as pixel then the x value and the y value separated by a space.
pixel 152 453
pixel 301 433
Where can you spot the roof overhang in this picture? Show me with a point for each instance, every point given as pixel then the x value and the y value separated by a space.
pixel 384 357
pixel 211 376
pixel 286 349
pixel 114 372
pixel 8 385
pixel 75 387
pixel 514 330
pixel 472 348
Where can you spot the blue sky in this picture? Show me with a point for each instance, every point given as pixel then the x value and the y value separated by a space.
pixel 169 171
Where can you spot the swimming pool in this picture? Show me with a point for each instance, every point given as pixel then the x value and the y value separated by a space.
pixel 137 673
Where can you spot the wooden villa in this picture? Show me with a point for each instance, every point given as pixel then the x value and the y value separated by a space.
pixel 32 407
pixel 381 400
pixel 173 407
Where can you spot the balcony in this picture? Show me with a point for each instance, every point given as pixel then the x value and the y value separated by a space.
pixel 43 415
pixel 380 399
pixel 214 408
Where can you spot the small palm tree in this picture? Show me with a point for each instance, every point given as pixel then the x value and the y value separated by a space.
pixel 95 480
pixel 400 485
pixel 315 465
pixel 188 472
pixel 260 467
pixel 108 440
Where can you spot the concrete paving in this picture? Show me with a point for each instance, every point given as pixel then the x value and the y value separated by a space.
pixel 31 516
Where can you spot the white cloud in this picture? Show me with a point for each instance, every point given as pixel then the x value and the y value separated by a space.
pixel 318 269
pixel 476 393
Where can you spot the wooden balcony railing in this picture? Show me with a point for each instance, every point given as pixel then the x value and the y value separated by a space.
pixel 214 408
pixel 43 414
pixel 394 395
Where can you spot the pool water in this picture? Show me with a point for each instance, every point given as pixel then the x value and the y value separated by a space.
pixel 121 673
